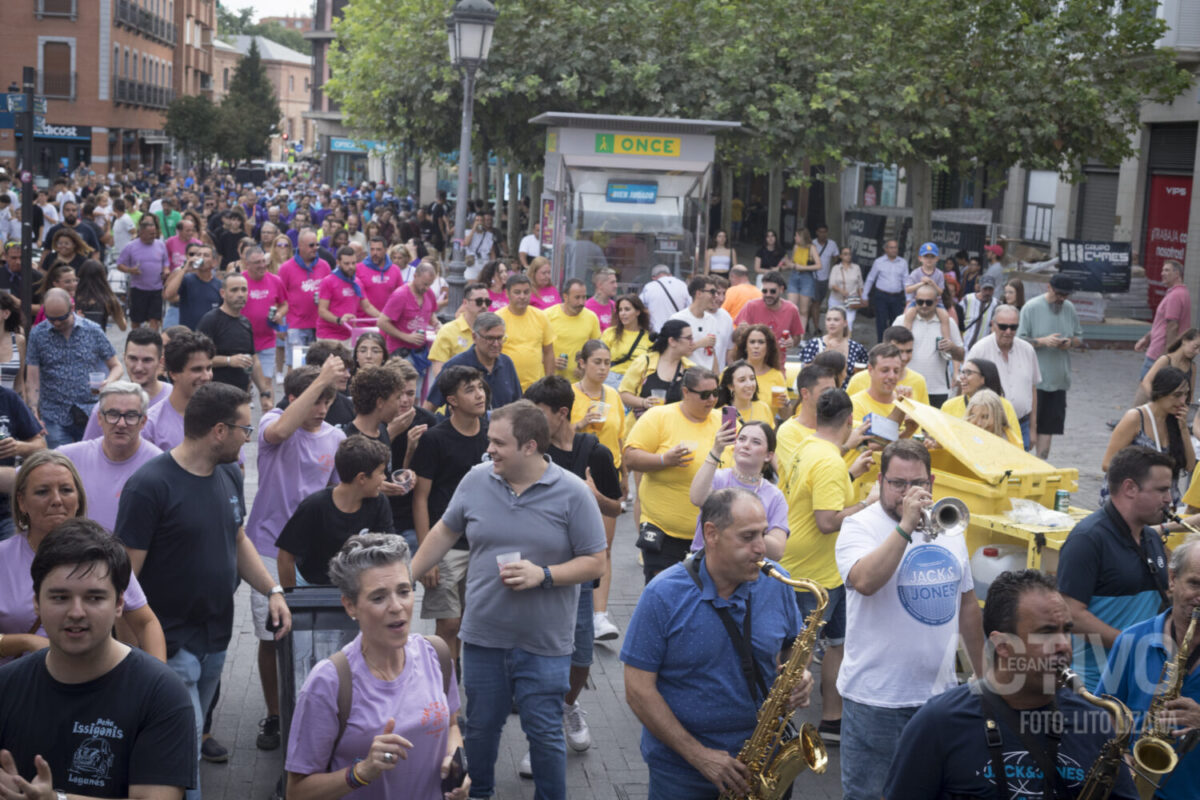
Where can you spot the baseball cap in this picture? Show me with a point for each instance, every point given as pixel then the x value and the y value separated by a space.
pixel 988 282
pixel 1062 283
pixel 930 249
pixel 994 249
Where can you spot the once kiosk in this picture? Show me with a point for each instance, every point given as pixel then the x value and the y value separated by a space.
pixel 626 193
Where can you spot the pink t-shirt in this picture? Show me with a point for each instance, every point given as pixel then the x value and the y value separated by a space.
pixel 787 318
pixel 378 286
pixel 544 298
pixel 603 312
pixel 1176 305
pixel 262 295
pixel 408 315
pixel 499 300
pixel 16 590
pixel 93 429
pixel 288 472
pixel 301 287
pixel 344 298
pixel 103 479
pixel 417 702
pixel 177 250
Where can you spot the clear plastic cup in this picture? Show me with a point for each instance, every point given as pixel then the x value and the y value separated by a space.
pixel 601 408
pixel 507 558
pixel 661 394
pixel 779 395
pixel 95 380
pixel 690 445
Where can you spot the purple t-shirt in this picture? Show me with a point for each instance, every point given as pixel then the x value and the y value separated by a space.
pixel 151 259
pixel 416 701
pixel 103 479
pixel 772 499
pixel 603 312
pixel 164 426
pixel 93 430
pixel 16 589
pixel 404 312
pixel 288 472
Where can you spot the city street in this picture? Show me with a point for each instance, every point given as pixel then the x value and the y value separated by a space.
pixel 1104 382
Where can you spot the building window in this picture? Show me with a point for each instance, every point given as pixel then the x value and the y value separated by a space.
pixel 291 83
pixel 116 64
pixel 225 79
pixel 56 8
pixel 291 129
pixel 307 84
pixel 1040 188
pixel 58 79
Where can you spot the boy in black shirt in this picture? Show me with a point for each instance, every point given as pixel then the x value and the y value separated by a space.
pixel 406 429
pixel 324 521
pixel 444 455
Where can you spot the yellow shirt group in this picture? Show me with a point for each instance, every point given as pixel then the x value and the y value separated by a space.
pixel 453 338
pixel 957 407
pixel 861 381
pixel 820 482
pixel 787 441
pixel 527 334
pixel 611 432
pixel 570 334
pixel 620 347
pixel 766 382
pixel 665 493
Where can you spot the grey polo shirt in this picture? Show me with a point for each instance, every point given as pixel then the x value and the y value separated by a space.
pixel 551 522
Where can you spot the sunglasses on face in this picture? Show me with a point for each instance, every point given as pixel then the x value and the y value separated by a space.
pixel 926 302
pixel 706 394
pixel 770 292
pixel 1002 327
pixel 481 301
pixel 59 319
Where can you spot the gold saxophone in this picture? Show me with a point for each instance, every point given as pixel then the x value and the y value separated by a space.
pixel 1105 770
pixel 1154 751
pixel 775 753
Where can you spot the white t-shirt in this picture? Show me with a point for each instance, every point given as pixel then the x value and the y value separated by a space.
pixel 530 246
pixel 123 231
pixel 662 298
pixel 902 640
pixel 926 360
pixel 64 197
pixel 51 214
pixel 156 206
pixel 1019 373
pixel 703 326
pixel 826 254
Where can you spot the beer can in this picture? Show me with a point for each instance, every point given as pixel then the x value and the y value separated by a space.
pixel 1062 501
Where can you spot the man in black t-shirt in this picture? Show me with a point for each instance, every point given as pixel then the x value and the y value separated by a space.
pixel 949 750
pixel 324 520
pixel 405 431
pixel 236 361
pixel 444 455
pixel 20 435
pixel 106 720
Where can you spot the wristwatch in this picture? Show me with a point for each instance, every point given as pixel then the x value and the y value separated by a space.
pixel 276 589
pixel 548 581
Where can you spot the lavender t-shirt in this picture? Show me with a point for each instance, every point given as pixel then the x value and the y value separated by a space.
pixel 164 426
pixel 94 431
pixel 16 589
pixel 288 472
pixel 103 478
pixel 416 701
pixel 151 259
pixel 772 499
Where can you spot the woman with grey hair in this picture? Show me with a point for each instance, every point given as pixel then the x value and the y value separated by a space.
pixel 402 729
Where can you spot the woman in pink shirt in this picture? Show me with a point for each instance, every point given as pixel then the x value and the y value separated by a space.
pixel 544 294
pixel 495 275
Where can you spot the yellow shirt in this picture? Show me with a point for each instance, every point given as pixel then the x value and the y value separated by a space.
pixel 820 482
pixel 957 407
pixel 527 334
pixel 453 338
pixel 766 381
pixel 1191 497
pixel 635 376
pixel 665 492
pixel 570 334
pixel 759 412
pixel 861 381
pixel 787 441
pixel 618 348
pixel 611 432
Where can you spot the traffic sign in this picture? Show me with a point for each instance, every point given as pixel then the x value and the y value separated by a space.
pixel 16 103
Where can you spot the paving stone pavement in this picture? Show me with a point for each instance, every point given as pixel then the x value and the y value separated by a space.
pixel 613 767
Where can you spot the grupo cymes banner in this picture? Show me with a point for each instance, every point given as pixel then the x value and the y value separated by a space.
pixel 863 233
pixel 950 237
pixel 1096 266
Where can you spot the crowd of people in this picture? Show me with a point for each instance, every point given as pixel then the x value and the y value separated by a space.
pixel 485 454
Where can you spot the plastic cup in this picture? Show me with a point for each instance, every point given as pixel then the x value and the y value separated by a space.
pixel 507 558
pixel 298 353
pixel 690 445
pixel 779 394
pixel 95 379
pixel 601 408
pixel 661 394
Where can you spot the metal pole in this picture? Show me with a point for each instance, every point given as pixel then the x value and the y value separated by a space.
pixel 458 264
pixel 28 79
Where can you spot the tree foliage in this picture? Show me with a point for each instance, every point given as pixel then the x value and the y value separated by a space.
pixel 230 24
pixel 191 122
pixel 250 113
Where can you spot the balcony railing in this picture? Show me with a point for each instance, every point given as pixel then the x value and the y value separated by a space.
pixel 142 94
pixel 144 22
pixel 57 84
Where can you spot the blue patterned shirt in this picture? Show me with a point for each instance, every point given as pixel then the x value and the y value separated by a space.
pixel 64 364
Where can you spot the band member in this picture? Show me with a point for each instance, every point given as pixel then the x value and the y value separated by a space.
pixel 951 748
pixel 683 672
pixel 1136 663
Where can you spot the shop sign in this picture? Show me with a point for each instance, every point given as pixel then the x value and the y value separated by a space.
pixel 620 144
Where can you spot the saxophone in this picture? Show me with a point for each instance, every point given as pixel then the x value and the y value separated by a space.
pixel 1105 770
pixel 775 753
pixel 1154 751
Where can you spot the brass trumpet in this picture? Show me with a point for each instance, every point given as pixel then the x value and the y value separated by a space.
pixel 947 517
pixel 1171 516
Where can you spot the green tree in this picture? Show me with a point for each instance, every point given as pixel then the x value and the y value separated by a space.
pixel 231 23
pixel 287 37
pixel 249 114
pixel 192 122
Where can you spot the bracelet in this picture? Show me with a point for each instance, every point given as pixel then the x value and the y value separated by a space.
pixel 352 778
pixel 661 461
pixel 713 459
pixel 907 536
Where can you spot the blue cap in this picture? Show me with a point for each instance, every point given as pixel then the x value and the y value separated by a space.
pixel 930 249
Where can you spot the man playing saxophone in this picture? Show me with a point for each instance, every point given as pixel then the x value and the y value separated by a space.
pixel 684 676
pixel 1138 667
pixel 1000 736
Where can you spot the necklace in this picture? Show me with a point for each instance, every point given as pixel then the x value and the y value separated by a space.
pixel 380 672
pixel 583 389
pixel 747 480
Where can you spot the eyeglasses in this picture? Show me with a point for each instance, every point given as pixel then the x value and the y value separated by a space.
pixel 969 372
pixel 112 416
pixel 1002 327
pixel 926 302
pixel 246 429
pixel 901 485
pixel 481 301
pixel 706 394
pixel 687 338
pixel 493 339
pixel 282 244
pixel 770 292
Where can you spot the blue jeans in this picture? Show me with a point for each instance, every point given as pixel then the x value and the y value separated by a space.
pixel 1147 363
pixel 585 629
pixel 200 674
pixel 58 434
pixel 869 738
pixel 493 679
pixel 410 536
pixel 171 316
pixel 674 786
pixel 1025 432
pixel 887 307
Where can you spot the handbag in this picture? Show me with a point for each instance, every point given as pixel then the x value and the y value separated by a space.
pixel 650 538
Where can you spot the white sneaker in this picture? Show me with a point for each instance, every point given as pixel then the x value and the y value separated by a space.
pixel 525 770
pixel 578 735
pixel 605 630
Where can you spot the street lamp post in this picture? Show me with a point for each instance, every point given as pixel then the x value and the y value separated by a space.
pixel 469 29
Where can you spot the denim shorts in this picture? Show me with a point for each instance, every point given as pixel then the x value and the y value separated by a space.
pixel 585 631
pixel 834 632
pixel 804 283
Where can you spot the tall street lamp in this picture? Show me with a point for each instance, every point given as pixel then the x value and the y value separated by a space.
pixel 469 28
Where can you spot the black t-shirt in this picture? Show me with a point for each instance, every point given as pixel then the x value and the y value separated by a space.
pixel 231 336
pixel 943 754
pixel 188 526
pixel 402 505
pixel 17 421
pixel 131 726
pixel 444 456
pixel 317 530
pixel 197 297
pixel 769 259
pixel 599 460
pixel 349 429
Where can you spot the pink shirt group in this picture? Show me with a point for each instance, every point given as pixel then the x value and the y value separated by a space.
pixel 1176 305
pixel 301 286
pixel 344 298
pixel 408 315
pixel 261 296
pixel 499 300
pixel 604 313
pixel 378 286
pixel 545 298
pixel 177 250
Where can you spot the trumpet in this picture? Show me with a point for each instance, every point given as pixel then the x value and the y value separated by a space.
pixel 1171 516
pixel 947 517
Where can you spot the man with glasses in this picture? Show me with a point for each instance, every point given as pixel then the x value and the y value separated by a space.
pixel 455 336
pixel 907 603
pixel 932 354
pixel 486 356
pixel 711 339
pixel 106 463
pixel 180 518
pixel 666 446
pixel 1050 324
pixel 774 311
pixel 301 277
pixel 1017 363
